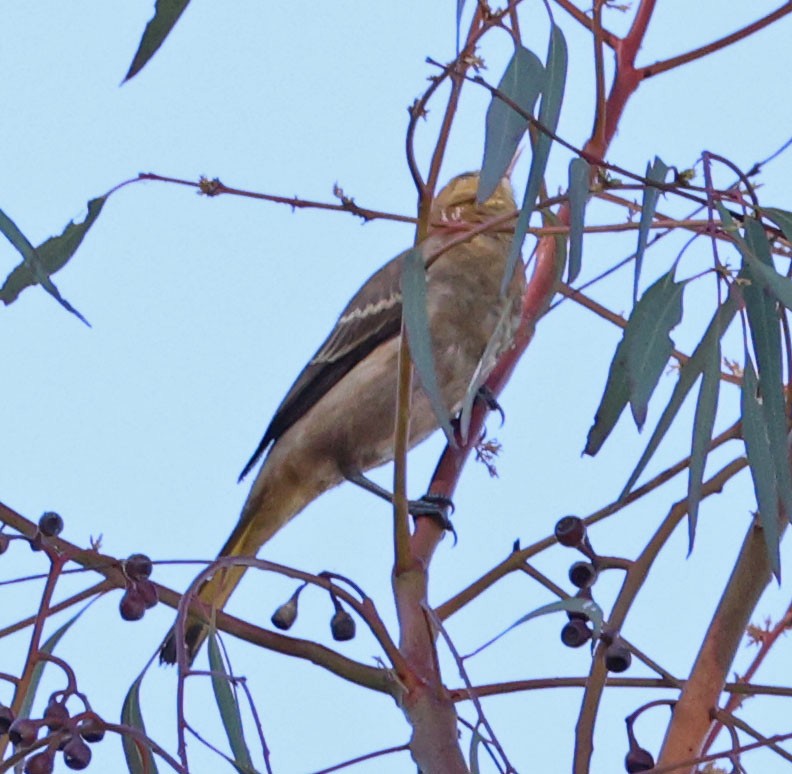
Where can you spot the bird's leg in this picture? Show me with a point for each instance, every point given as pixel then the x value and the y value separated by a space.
pixel 431 506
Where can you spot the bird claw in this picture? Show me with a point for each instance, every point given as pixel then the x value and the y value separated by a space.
pixel 436 508
pixel 488 396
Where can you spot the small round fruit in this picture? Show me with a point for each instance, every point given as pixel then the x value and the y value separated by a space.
pixel 5 541
pixel 138 567
pixel 56 715
pixel 575 633
pixel 570 531
pixel 23 732
pixel 148 591
pixel 91 730
pixel 342 626
pixel 40 763
pixel 285 616
pixel 132 605
pixel 50 524
pixel 638 759
pixel 582 574
pixel 77 754
pixel 6 719
pixel 617 658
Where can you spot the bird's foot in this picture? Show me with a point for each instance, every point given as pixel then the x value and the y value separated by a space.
pixel 435 507
pixel 490 400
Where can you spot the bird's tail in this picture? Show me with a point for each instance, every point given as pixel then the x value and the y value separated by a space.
pixel 274 499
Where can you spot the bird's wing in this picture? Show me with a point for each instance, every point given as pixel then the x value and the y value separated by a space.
pixel 370 318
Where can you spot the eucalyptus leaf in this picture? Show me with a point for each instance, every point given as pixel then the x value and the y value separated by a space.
pixel 586 607
pixel 648 344
pixel 762 465
pixel 703 424
pixel 655 172
pixel 764 323
pixel 38 670
pixel 688 375
pixel 228 706
pixel 166 14
pixel 549 112
pixel 138 756
pixel 639 359
pixel 782 217
pixel 52 255
pixel 33 261
pixel 521 83
pixel 579 176
pixel 416 323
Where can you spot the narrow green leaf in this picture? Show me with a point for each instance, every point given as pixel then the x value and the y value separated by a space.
pixel 38 670
pixel 648 345
pixel 475 742
pixel 460 7
pixel 782 217
pixel 166 14
pixel 688 375
pixel 703 424
pixel 579 176
pixel 763 319
pixel 755 251
pixel 416 323
pixel 549 112
pixel 521 83
pixel 639 359
pixel 31 258
pixel 229 707
pixel 614 400
pixel 587 607
pixel 761 462
pixel 52 255
pixel 139 758
pixel 656 172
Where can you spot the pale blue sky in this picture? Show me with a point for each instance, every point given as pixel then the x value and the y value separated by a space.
pixel 138 427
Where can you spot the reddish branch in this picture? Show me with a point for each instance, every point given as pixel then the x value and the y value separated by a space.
pixel 766 639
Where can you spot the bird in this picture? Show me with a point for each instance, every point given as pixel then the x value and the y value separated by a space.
pixel 337 420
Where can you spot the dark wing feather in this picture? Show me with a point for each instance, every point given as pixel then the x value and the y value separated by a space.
pixel 372 317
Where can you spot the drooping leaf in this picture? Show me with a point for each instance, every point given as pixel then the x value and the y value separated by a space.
pixel 139 757
pixel 761 462
pixel 521 83
pixel 639 359
pixel 782 217
pixel 755 251
pixel 166 14
pixel 656 172
pixel 648 345
pixel 586 607
pixel 703 424
pixel 549 112
pixel 416 323
pixel 579 175
pixel 52 255
pixel 614 400
pixel 476 741
pixel 460 7
pixel 38 670
pixel 228 707
pixel 688 375
pixel 763 320
pixel 33 262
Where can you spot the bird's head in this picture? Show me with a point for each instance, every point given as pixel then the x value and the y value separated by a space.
pixel 457 201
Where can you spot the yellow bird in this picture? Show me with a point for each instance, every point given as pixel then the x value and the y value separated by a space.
pixel 337 420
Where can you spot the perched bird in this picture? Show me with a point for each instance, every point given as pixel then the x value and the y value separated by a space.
pixel 337 420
